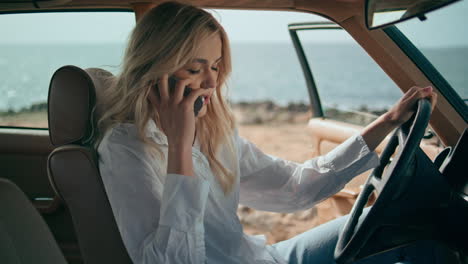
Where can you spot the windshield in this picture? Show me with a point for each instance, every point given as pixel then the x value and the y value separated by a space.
pixel 443 40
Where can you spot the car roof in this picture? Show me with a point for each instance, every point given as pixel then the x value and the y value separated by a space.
pixel 336 10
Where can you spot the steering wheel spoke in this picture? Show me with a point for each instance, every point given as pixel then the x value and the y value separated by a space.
pixel 376 184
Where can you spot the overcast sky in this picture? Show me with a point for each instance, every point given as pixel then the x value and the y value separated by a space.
pixel 242 26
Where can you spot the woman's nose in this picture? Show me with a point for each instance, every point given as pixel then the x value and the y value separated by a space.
pixel 209 81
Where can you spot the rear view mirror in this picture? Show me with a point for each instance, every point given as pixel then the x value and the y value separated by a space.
pixel 380 13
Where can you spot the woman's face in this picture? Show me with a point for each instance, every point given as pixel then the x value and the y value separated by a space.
pixel 203 70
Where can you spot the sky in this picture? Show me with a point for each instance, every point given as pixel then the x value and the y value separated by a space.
pixel 241 26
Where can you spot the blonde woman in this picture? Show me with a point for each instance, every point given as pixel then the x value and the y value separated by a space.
pixel 174 180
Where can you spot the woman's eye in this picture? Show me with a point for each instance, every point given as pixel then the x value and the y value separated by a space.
pixel 193 71
pixel 215 68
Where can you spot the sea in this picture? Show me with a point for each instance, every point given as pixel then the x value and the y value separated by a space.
pixel 346 77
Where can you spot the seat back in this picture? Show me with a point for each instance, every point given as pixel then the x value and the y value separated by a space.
pixel 24 235
pixel 72 165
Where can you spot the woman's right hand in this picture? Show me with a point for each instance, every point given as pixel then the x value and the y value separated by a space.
pixel 176 114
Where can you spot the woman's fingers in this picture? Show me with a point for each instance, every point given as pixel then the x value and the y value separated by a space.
pixel 406 106
pixel 412 91
pixel 426 92
pixel 170 97
pixel 408 96
pixel 431 95
pixel 433 99
pixel 163 88
pixel 179 90
pixel 152 97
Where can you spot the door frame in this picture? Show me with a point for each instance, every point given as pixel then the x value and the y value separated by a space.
pixel 293 28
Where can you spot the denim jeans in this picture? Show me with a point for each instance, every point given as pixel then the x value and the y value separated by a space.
pixel 316 246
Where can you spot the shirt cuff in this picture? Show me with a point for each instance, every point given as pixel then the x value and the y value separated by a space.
pixel 372 157
pixel 183 202
pixel 353 157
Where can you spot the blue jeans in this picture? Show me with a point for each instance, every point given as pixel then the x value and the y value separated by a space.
pixel 317 246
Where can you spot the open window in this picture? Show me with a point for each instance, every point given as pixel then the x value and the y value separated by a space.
pixel 347 89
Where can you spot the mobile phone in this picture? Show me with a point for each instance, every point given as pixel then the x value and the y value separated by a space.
pixel 172 81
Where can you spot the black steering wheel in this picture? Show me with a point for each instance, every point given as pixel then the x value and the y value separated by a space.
pixel 388 181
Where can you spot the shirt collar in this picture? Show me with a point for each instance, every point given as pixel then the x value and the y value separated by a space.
pixel 158 135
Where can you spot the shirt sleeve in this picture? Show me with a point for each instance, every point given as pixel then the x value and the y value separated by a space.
pixel 272 184
pixel 159 216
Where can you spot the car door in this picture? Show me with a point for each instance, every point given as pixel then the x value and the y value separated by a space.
pixel 347 91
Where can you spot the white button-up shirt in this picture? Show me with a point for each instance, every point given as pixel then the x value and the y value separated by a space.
pixel 172 218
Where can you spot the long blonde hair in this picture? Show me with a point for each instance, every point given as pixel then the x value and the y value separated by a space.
pixel 163 42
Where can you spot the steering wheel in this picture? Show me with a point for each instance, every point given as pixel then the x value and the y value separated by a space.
pixel 389 183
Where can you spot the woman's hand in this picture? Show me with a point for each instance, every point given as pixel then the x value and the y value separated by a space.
pixel 401 112
pixel 406 106
pixel 177 119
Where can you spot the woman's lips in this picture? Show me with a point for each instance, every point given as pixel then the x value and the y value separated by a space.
pixel 206 99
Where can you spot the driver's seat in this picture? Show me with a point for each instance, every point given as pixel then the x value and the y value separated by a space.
pixel 72 165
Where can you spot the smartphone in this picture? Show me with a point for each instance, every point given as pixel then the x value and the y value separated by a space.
pixel 172 81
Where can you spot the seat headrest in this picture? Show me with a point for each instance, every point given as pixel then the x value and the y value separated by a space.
pixel 102 80
pixel 72 103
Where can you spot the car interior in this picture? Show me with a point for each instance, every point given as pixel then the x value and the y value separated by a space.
pixel 54 208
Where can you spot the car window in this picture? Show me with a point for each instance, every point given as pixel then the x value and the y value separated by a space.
pixel 264 63
pixel 443 40
pixel 34 45
pixel 351 86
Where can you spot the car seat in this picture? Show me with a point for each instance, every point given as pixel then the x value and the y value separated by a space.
pixel 24 235
pixel 72 165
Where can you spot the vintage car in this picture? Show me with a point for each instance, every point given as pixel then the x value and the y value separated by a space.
pixel 47 164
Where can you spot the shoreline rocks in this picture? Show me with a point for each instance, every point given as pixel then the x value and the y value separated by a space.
pixel 249 113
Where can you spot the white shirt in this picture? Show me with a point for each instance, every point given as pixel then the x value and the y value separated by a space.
pixel 172 218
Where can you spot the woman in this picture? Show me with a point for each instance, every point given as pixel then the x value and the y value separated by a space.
pixel 174 180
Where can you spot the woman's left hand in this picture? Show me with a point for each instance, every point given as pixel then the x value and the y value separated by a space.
pixel 406 106
pixel 401 112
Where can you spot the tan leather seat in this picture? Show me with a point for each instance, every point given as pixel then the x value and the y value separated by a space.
pixel 24 235
pixel 72 165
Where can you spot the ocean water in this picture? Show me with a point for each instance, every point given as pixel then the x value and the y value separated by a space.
pixel 345 75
